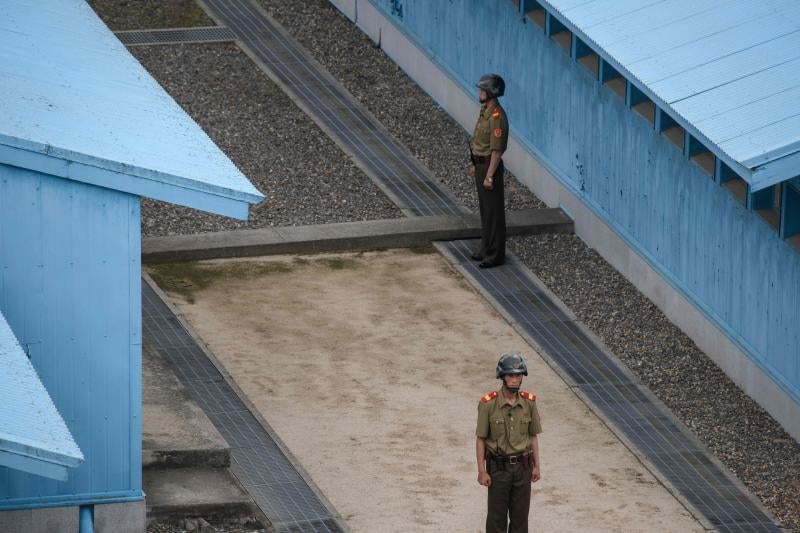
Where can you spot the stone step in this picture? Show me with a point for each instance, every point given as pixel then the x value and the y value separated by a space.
pixel 176 433
pixel 210 493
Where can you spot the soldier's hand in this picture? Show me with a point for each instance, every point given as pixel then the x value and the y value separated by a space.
pixel 471 171
pixel 535 475
pixel 487 184
pixel 484 479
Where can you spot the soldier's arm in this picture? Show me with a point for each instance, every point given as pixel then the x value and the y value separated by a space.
pixel 480 454
pixel 499 140
pixel 537 473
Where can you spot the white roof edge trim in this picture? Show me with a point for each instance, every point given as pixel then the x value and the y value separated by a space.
pixel 776 171
pixel 69 156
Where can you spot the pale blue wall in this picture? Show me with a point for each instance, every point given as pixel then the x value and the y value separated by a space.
pixel 70 290
pixel 723 257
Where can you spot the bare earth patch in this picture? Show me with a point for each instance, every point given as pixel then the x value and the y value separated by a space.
pixel 370 367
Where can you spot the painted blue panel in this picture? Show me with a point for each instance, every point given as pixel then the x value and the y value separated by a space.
pixel 76 246
pixel 722 257
pixel 33 436
pixel 61 67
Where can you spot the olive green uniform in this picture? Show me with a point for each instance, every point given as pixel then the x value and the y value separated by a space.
pixel 507 430
pixel 491 133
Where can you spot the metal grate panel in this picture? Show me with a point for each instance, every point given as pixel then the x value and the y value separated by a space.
pixel 214 34
pixel 256 458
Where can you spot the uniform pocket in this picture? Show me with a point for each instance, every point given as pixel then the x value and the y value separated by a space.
pixel 497 428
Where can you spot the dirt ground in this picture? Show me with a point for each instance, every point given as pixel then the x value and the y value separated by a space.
pixel 370 367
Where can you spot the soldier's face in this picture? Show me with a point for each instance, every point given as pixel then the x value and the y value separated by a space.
pixel 512 381
pixel 482 96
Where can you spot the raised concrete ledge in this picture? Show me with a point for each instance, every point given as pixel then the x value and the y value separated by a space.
pixel 429 75
pixel 345 236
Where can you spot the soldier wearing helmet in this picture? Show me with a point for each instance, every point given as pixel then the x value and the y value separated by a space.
pixel 489 141
pixel 507 448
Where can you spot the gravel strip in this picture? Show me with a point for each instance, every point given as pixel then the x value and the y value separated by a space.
pixel 410 115
pixel 739 432
pixel 307 179
pixel 122 15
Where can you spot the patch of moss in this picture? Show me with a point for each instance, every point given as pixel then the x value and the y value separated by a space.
pixel 337 263
pixel 427 249
pixel 187 278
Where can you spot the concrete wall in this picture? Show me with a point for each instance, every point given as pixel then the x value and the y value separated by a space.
pixel 70 290
pixel 714 267
pixel 108 518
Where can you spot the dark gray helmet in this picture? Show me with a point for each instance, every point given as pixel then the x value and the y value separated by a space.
pixel 492 84
pixel 511 363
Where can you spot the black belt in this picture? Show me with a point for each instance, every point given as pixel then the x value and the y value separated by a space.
pixel 510 459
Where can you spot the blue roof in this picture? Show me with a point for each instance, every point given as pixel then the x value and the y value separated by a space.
pixel 76 104
pixel 726 70
pixel 33 436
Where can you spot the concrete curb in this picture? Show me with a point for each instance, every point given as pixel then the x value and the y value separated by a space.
pixel 344 237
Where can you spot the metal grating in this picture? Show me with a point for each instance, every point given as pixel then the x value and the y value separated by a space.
pixel 257 460
pixel 213 34
pixel 394 170
pixel 615 394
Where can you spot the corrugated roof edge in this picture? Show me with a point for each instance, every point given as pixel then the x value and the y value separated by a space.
pixel 51 455
pixel 776 169
pixel 126 178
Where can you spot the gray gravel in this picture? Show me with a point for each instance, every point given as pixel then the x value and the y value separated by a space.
pixel 739 432
pixel 409 114
pixel 122 15
pixel 307 179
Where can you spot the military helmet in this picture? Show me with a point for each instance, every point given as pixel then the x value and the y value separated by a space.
pixel 511 363
pixel 492 84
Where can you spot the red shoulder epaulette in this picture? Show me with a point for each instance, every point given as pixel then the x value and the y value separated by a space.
pixel 496 113
pixel 489 396
pixel 529 395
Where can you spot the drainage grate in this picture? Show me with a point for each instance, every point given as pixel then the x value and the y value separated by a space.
pixel 213 34
pixel 613 392
pixel 256 458
pixel 394 170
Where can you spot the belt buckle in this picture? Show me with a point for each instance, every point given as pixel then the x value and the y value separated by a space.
pixel 514 459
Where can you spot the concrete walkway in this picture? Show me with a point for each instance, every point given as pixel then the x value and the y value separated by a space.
pixel 344 237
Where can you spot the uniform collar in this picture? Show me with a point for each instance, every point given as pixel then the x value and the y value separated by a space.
pixel 502 397
pixel 489 106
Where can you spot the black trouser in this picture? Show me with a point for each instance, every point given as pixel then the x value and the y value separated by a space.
pixel 509 498
pixel 493 214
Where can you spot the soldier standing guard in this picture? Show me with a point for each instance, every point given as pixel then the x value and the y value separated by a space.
pixel 507 448
pixel 489 141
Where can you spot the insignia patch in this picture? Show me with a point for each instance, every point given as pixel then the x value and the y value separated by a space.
pixel 496 113
pixel 489 396
pixel 529 395
pixel 498 132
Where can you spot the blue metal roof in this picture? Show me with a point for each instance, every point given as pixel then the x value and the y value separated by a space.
pixel 726 70
pixel 33 436
pixel 76 104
